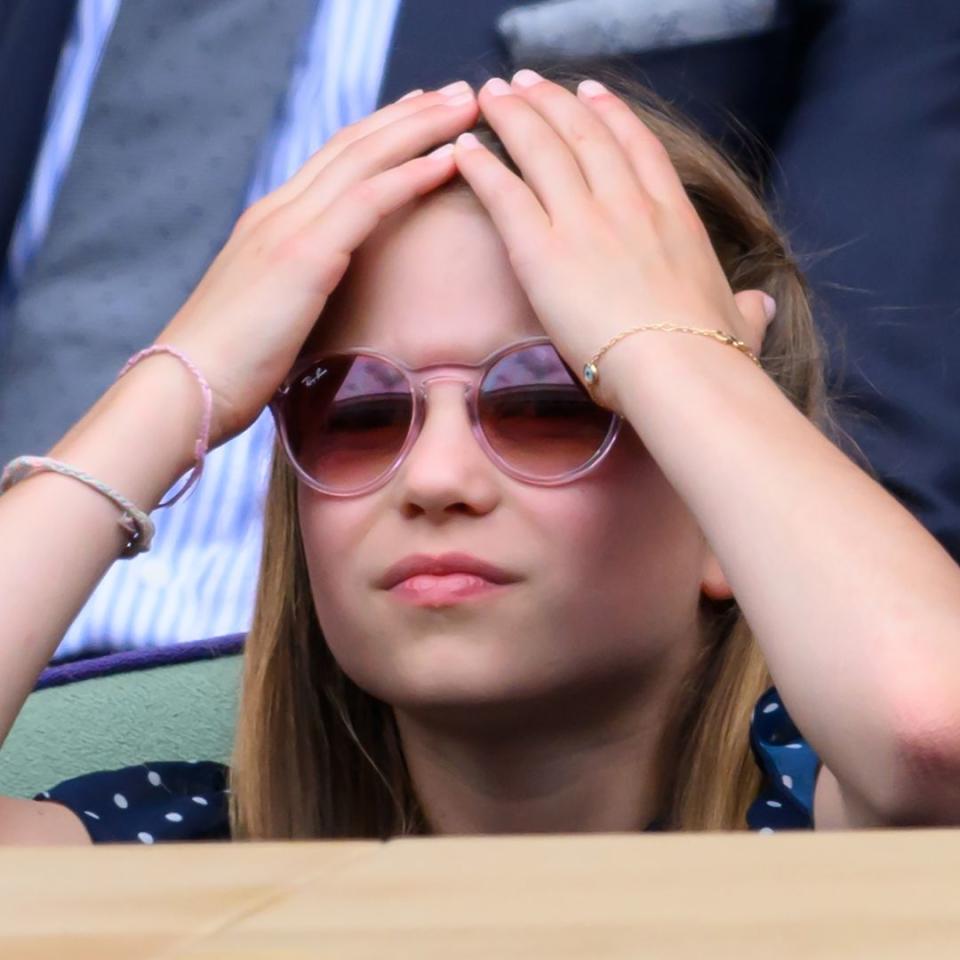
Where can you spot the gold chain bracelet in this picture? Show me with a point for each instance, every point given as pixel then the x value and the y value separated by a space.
pixel 592 375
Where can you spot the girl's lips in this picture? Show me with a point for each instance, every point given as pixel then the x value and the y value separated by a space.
pixel 443 565
pixel 431 590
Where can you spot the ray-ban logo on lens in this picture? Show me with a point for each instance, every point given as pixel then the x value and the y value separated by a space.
pixel 311 379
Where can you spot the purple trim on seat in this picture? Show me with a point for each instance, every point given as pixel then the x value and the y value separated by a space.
pixel 130 660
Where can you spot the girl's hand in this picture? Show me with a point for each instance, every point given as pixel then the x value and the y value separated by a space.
pixel 251 313
pixel 600 231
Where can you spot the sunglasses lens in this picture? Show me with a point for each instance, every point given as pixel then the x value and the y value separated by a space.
pixel 346 420
pixel 537 416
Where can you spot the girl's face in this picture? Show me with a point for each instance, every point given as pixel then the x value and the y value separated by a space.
pixel 609 567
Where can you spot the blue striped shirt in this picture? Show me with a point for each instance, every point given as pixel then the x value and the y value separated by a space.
pixel 199 578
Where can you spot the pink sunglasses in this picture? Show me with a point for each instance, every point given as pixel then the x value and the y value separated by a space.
pixel 348 420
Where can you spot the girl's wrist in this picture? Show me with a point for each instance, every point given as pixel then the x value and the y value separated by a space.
pixel 631 368
pixel 141 434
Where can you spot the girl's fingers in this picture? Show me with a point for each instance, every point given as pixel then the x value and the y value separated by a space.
pixel 544 159
pixel 646 153
pixel 401 109
pixel 605 167
pixel 516 212
pixel 386 147
pixel 456 95
pixel 330 239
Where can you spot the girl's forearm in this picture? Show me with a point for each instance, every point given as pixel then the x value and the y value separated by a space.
pixel 855 606
pixel 58 537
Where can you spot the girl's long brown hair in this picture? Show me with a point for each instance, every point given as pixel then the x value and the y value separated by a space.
pixel 317 757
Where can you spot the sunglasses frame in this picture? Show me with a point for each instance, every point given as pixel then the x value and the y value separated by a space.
pixel 419 378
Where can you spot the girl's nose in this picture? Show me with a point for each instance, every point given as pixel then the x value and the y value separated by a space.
pixel 446 465
pixel 446 435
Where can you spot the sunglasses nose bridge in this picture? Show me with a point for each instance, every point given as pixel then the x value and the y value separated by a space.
pixel 423 386
pixel 424 403
pixel 420 418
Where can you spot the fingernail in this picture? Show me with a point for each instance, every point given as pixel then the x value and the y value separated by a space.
pixel 412 93
pixel 769 306
pixel 590 88
pixel 443 151
pixel 452 89
pixel 459 101
pixel 468 141
pixel 498 87
pixel 526 78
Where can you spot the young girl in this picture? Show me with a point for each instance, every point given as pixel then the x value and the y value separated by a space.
pixel 559 537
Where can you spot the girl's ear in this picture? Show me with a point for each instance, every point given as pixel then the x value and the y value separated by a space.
pixel 714 583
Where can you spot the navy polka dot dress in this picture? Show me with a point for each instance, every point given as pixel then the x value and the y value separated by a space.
pixel 152 803
pixel 180 801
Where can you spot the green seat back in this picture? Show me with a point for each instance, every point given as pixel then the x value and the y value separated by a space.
pixel 168 711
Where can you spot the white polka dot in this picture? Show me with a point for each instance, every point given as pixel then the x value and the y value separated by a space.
pixel 91 815
pixel 770 707
pixel 766 830
pixel 173 817
pixel 121 801
pixel 787 780
pixel 201 800
pixel 154 778
pixel 794 746
pixel 145 837
pixel 774 803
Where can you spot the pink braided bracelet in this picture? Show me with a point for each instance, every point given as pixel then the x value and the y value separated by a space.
pixel 203 440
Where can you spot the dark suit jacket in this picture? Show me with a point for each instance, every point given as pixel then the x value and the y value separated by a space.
pixel 31 37
pixel 860 101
